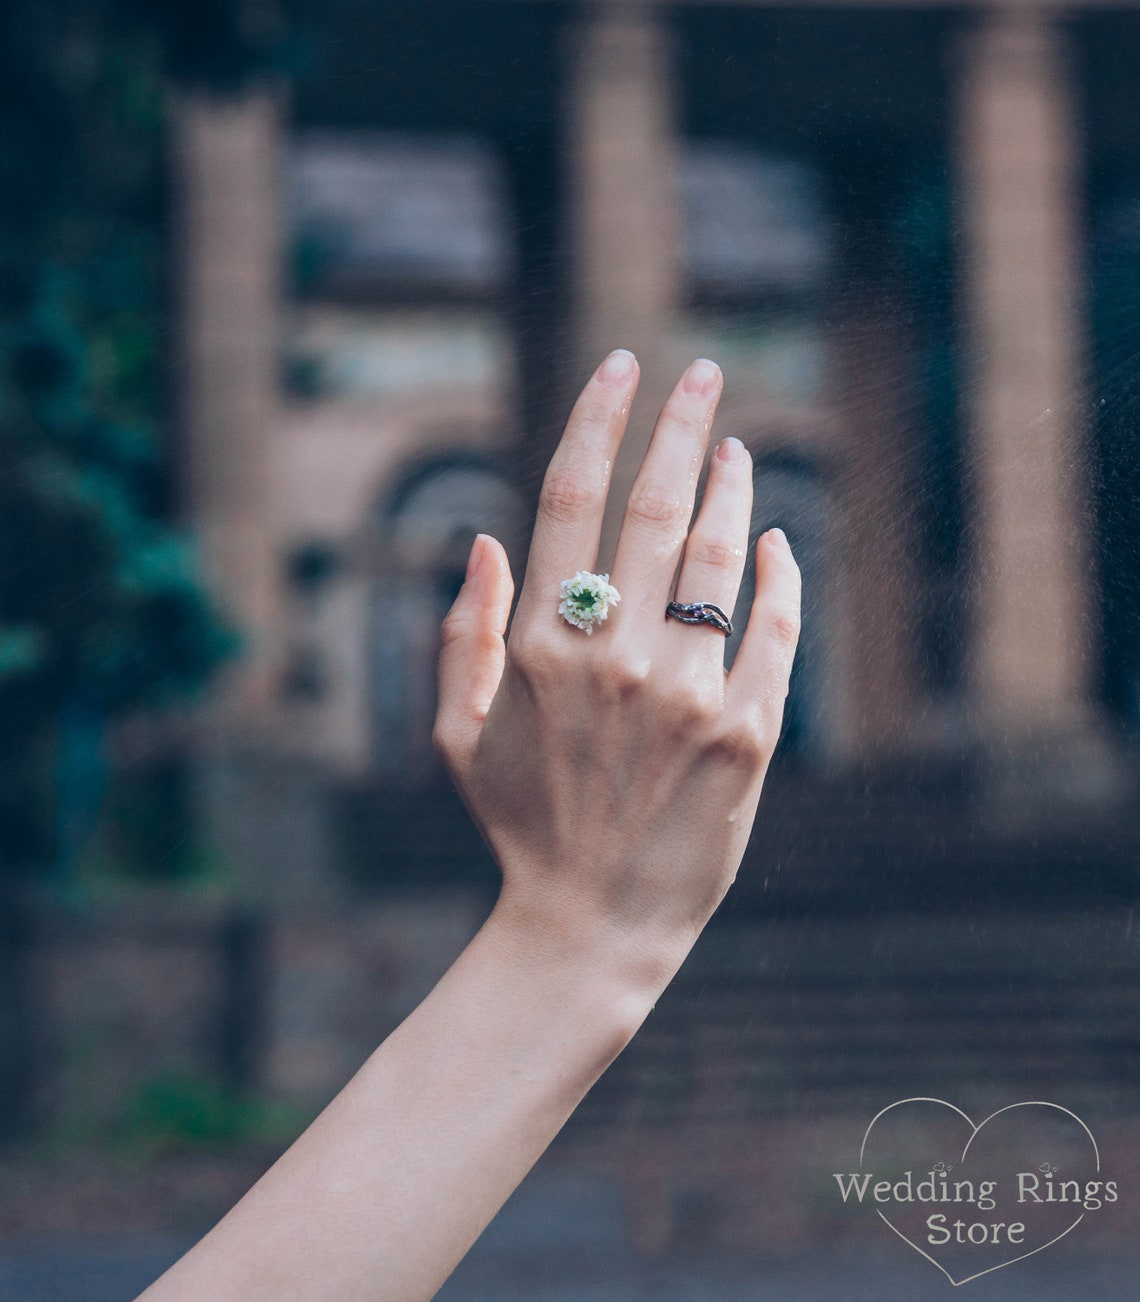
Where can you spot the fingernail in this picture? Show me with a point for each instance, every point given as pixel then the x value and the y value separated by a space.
pixel 776 537
pixel 701 377
pixel 731 449
pixel 617 367
pixel 478 547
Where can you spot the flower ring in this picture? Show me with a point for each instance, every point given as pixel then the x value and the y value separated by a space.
pixel 586 599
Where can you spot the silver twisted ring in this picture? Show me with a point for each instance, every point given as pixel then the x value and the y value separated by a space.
pixel 700 612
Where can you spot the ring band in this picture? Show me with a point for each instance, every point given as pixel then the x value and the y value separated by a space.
pixel 700 612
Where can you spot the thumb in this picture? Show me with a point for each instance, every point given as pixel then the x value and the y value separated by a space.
pixel 473 653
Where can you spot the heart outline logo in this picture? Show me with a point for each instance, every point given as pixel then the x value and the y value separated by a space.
pixel 975 1130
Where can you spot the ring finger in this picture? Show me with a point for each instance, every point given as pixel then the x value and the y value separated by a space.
pixel 713 561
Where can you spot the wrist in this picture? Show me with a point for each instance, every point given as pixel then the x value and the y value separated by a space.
pixel 589 954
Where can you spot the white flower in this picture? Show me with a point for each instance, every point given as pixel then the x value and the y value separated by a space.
pixel 586 599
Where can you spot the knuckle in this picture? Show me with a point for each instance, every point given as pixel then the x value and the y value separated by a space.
pixel 692 709
pixel 784 625
pixel 741 746
pixel 620 675
pixel 713 553
pixel 654 506
pixel 685 415
pixel 454 628
pixel 595 411
pixel 534 659
pixel 462 626
pixel 567 495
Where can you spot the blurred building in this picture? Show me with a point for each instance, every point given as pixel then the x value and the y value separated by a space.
pixel 384 327
pixel 911 237
pixel 396 274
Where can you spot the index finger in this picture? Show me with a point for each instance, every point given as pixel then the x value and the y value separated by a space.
pixel 568 526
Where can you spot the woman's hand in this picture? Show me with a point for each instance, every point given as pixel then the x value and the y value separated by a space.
pixel 616 775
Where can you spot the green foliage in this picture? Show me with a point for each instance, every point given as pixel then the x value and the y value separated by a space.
pixel 147 827
pixel 184 1111
pixel 176 1110
pixel 101 609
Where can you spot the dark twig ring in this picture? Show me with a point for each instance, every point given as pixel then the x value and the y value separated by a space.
pixel 700 612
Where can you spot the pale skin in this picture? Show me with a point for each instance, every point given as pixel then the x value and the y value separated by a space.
pixel 615 776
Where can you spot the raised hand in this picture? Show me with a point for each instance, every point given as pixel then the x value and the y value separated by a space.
pixel 616 775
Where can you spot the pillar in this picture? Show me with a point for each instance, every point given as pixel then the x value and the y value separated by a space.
pixel 623 239
pixel 1030 663
pixel 225 154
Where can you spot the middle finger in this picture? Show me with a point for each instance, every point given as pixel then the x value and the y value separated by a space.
pixel 661 501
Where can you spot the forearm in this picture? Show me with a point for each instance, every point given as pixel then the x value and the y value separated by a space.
pixel 385 1192
pixel 615 778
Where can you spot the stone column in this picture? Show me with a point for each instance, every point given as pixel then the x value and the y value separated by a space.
pixel 623 241
pixel 225 157
pixel 1030 663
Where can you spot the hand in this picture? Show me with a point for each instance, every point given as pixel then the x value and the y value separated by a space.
pixel 616 775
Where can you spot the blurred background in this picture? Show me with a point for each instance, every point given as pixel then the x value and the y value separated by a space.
pixel 294 299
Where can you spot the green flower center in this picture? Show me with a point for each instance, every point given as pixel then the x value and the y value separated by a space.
pixel 586 599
